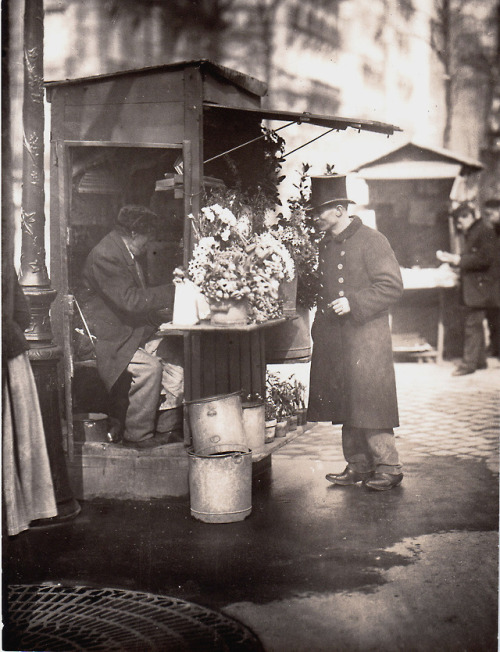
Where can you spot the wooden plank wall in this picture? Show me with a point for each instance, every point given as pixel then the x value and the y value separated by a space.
pixel 221 91
pixel 127 109
pixel 222 363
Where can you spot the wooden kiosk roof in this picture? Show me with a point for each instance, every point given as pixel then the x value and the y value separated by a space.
pixel 414 161
pixel 222 90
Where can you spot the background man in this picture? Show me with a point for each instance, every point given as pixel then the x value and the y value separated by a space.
pixel 476 283
pixel 352 372
pixel 135 367
pixel 492 217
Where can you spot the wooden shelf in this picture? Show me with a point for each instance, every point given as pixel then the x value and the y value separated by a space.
pixel 279 442
pixel 180 329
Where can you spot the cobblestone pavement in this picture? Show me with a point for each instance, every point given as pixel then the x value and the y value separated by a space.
pixel 439 415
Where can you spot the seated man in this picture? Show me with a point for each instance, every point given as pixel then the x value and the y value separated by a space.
pixel 135 368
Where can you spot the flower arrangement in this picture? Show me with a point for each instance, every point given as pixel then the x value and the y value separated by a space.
pixel 233 261
pixel 219 273
pixel 298 233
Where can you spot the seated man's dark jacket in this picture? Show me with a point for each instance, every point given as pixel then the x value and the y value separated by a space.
pixel 117 306
pixel 477 275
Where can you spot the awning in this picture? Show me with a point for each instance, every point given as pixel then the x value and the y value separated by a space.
pixel 411 170
pixel 328 121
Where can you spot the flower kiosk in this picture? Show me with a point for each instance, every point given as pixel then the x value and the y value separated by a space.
pixel 187 140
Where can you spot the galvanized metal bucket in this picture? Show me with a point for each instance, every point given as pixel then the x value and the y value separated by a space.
pixel 220 486
pixel 216 424
pixel 254 423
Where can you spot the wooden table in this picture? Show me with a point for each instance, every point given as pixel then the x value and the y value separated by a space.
pixel 423 350
pixel 223 359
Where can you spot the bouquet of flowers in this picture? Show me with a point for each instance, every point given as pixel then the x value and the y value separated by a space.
pixel 232 261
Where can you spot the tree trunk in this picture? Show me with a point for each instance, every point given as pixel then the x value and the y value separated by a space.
pixel 448 83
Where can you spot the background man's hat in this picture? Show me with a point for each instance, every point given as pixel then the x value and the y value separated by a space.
pixel 328 189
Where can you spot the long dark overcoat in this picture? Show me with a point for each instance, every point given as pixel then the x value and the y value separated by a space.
pixel 479 267
pixel 352 371
pixel 118 306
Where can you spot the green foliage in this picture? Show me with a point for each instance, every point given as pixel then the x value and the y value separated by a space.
pixel 300 236
pixel 259 189
pixel 270 409
pixel 284 396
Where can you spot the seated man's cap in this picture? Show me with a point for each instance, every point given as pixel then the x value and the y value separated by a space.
pixel 140 219
pixel 328 189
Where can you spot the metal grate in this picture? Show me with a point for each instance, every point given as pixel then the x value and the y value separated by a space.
pixel 53 618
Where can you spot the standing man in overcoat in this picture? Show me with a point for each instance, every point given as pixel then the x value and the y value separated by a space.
pixel 352 372
pixel 477 283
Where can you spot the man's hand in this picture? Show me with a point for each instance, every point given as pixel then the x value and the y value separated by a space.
pixel 446 257
pixel 340 306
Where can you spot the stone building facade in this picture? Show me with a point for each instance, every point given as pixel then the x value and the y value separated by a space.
pixel 356 58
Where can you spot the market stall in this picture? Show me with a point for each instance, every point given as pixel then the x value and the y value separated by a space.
pixel 161 137
pixel 410 190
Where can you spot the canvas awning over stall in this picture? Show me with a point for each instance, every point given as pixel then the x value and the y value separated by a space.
pixel 328 121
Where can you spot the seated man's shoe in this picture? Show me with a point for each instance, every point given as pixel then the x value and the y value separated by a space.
pixel 159 439
pixel 143 444
pixel 348 476
pixel 482 365
pixel 170 437
pixel 383 481
pixel 463 371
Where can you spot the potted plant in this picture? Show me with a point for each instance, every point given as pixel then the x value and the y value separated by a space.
pixel 289 407
pixel 280 393
pixel 273 399
pixel 271 421
pixel 298 233
pixel 299 397
pixel 232 263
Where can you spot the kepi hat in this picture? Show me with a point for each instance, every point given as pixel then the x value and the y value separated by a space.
pixel 328 189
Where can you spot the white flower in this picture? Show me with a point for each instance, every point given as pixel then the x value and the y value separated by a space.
pixel 270 218
pixel 227 217
pixel 244 226
pixel 207 212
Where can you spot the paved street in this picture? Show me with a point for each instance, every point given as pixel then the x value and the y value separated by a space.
pixel 430 547
pixel 320 568
pixel 439 415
